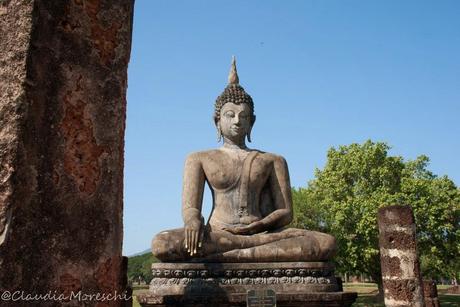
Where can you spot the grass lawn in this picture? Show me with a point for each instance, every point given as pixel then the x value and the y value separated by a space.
pixel 366 295
pixel 135 302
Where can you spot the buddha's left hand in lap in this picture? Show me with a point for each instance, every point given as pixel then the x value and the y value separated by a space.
pixel 255 227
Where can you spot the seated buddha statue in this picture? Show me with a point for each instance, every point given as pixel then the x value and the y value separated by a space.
pixel 252 202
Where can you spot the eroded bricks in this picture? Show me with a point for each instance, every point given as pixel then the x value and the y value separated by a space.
pixel 398 257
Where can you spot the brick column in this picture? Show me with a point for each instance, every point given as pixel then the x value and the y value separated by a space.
pixel 398 257
pixel 63 79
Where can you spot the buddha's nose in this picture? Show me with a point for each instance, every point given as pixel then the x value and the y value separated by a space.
pixel 237 120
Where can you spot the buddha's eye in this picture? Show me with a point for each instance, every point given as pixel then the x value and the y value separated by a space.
pixel 229 114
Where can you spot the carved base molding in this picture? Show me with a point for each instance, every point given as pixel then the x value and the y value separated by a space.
pixel 226 284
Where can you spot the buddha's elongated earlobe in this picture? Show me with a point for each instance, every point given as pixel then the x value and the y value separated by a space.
pixel 219 134
pixel 250 128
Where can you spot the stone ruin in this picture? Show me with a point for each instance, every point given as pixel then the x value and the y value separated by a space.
pixel 63 79
pixel 63 72
pixel 245 254
pixel 401 277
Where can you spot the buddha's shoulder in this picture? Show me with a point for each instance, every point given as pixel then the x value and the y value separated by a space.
pixel 217 153
pixel 272 157
pixel 204 154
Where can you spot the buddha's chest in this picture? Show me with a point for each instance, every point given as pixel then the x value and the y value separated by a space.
pixel 224 171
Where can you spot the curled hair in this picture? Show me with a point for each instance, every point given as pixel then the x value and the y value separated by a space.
pixel 233 93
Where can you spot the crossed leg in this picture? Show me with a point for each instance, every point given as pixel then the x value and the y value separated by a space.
pixel 222 246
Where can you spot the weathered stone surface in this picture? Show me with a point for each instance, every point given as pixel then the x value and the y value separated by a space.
pixel 396 215
pixel 391 265
pixel 397 239
pixel 398 257
pixel 402 290
pixel 63 72
pixel 207 277
pixel 252 201
pixel 245 245
pixel 332 299
pixel 223 283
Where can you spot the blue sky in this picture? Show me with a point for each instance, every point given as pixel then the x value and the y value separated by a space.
pixel 321 73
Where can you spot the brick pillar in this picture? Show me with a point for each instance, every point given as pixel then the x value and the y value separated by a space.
pixel 398 257
pixel 63 79
pixel 430 293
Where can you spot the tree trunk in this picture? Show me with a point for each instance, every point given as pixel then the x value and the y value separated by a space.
pixel 378 279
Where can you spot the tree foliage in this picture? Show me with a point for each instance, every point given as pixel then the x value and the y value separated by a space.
pixel 344 197
pixel 141 266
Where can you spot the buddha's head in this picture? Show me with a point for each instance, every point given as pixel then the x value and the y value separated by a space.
pixel 234 110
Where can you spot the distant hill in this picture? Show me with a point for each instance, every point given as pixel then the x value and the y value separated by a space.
pixel 139 265
pixel 140 253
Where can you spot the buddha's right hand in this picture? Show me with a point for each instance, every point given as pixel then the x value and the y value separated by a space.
pixel 194 235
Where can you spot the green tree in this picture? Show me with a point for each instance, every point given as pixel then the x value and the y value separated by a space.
pixel 344 197
pixel 141 266
pixel 436 203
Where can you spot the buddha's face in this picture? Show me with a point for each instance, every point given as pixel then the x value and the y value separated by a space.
pixel 235 121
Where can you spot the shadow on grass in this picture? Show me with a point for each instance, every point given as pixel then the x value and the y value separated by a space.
pixel 368 298
pixel 446 300
pixel 449 300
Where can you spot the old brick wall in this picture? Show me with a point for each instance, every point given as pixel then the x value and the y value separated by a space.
pixel 63 79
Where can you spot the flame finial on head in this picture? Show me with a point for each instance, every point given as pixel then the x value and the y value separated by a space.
pixel 233 93
pixel 233 75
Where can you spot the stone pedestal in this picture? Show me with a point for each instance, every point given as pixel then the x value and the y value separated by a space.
pixel 226 284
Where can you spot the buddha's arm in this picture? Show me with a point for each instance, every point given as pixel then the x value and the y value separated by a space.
pixel 281 191
pixel 192 198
